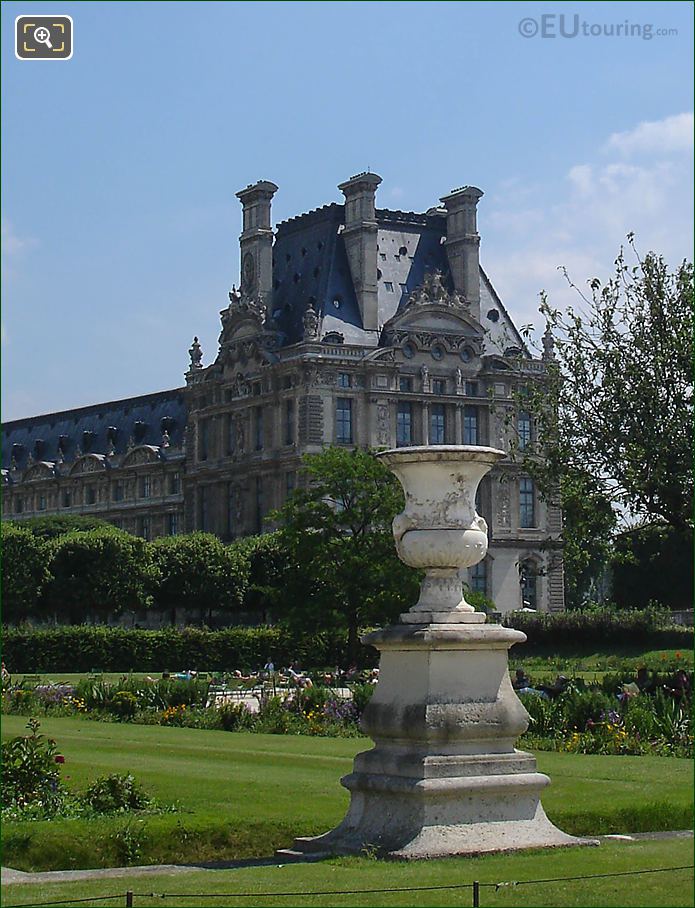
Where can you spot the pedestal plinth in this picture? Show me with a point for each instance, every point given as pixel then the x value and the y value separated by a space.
pixel 443 777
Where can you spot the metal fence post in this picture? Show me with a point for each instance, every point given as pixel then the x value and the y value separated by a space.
pixel 476 894
pixel 129 899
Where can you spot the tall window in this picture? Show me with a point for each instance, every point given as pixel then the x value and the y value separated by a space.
pixel 470 425
pixel 290 483
pixel 174 483
pixel 203 517
pixel 529 585
pixel 405 383
pixel 144 527
pixel 90 495
pixel 259 504
pixel 67 499
pixel 527 515
pixel 479 577
pixel 471 388
pixel 173 524
pixel 437 424
pixel 145 487
pixel 258 412
pixel 117 491
pixel 289 422
pixel 404 424
pixel 344 380
pixel 231 508
pixel 438 386
pixel 42 503
pixel 231 434
pixel 524 429
pixel 19 505
pixel 343 420
pixel 203 439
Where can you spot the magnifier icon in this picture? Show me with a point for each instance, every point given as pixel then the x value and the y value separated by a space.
pixel 43 36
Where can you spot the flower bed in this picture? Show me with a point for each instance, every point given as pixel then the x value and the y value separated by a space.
pixel 596 718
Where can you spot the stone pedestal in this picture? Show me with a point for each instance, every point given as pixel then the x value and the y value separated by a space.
pixel 443 777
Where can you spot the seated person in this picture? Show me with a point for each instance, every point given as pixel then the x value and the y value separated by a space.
pixel 521 680
pixel 678 685
pixel 559 686
pixel 297 676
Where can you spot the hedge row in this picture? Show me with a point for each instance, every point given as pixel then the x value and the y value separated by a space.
pixel 597 628
pixel 84 648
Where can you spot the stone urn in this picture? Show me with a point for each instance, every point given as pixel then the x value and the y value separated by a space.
pixel 443 777
pixel 439 530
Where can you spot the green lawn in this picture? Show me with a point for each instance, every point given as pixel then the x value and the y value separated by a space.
pixel 243 795
pixel 346 879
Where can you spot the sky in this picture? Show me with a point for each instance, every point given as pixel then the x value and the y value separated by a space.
pixel 120 166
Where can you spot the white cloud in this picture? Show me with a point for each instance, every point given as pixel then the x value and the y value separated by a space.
pixel 13 244
pixel 670 135
pixel 593 209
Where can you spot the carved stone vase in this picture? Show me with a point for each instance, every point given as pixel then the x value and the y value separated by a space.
pixel 443 777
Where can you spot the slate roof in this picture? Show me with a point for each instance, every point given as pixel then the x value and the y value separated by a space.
pixel 310 265
pixel 141 418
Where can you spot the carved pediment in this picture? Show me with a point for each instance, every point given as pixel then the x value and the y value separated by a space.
pixel 89 463
pixel 143 454
pixel 41 470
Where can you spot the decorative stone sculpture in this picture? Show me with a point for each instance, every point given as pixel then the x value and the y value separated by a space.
pixel 196 354
pixel 310 323
pixel 443 777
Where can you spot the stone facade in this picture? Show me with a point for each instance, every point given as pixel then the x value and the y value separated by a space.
pixel 352 325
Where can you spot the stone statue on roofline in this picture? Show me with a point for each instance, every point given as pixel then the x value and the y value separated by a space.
pixel 310 323
pixel 196 354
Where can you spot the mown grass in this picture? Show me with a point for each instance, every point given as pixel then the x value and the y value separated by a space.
pixel 245 795
pixel 345 880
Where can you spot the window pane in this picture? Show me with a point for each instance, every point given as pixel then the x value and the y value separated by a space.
pixel 529 585
pixel 289 422
pixel 343 420
pixel 259 428
pixel 524 425
pixel 437 424
pixel 404 424
pixel 470 425
pixel 479 577
pixel 526 503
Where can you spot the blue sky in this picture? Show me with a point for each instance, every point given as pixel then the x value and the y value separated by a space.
pixel 119 220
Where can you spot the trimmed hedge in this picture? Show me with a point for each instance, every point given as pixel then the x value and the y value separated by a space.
pixel 576 629
pixel 83 648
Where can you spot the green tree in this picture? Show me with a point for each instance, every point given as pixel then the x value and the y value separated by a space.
pixel 337 531
pixel 199 572
pixel 53 525
pixel 97 574
pixel 268 561
pixel 652 564
pixel 25 571
pixel 613 413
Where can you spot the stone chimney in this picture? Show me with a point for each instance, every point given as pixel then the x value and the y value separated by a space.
pixel 256 240
pixel 463 244
pixel 360 236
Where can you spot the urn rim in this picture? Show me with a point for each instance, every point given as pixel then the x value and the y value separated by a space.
pixel 442 453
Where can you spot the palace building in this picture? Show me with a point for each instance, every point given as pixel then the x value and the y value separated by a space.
pixel 352 325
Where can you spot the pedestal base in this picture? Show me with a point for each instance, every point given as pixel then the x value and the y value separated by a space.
pixel 411 818
pixel 444 777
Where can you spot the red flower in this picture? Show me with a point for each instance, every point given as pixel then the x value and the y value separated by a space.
pixel 59 758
